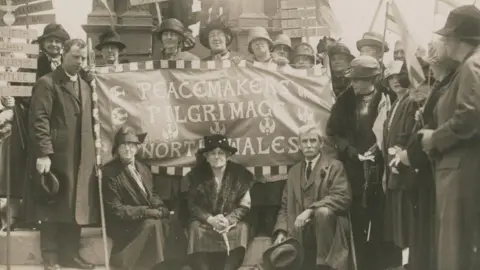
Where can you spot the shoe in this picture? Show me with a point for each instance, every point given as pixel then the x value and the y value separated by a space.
pixel 51 267
pixel 78 262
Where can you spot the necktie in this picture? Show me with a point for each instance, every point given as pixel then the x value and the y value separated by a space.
pixel 309 169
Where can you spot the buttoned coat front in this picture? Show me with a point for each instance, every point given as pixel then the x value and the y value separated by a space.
pixel 332 190
pixel 60 126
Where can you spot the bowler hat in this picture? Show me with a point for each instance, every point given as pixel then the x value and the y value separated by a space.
pixel 49 183
pixel 110 37
pixel 372 39
pixel 282 39
pixel 126 135
pixel 54 30
pixel 304 49
pixel 340 48
pixel 288 254
pixel 363 66
pixel 258 33
pixel 214 141
pixel 462 22
pixel 218 24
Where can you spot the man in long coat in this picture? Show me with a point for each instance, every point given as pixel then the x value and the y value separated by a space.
pixel 61 141
pixel 315 205
pixel 455 146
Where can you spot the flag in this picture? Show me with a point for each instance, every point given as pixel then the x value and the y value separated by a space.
pixel 415 71
pixel 325 17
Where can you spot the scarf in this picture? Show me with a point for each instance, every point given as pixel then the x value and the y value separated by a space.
pixel 54 61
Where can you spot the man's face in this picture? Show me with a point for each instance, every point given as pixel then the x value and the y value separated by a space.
pixel 360 85
pixel 127 151
pixel 170 39
pixel 399 55
pixel 217 158
pixel 217 40
pixel 53 46
pixel 302 62
pixel 110 53
pixel 260 47
pixel 74 60
pixel 282 50
pixel 310 145
pixel 373 51
pixel 451 45
pixel 340 62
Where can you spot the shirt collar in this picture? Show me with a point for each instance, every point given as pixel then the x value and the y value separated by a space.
pixel 72 78
pixel 313 161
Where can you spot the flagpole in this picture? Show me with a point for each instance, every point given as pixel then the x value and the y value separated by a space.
pixel 387 6
pixel 377 11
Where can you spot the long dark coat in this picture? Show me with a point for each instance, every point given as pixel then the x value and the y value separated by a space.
pixel 457 167
pixel 332 191
pixel 60 126
pixel 130 230
pixel 43 65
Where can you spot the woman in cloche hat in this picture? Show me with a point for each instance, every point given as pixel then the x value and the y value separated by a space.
pixel 282 47
pixel 51 47
pixel 260 45
pixel 340 58
pixel 172 35
pixel 356 127
pixel 217 36
pixel 110 45
pixel 218 200
pixel 303 56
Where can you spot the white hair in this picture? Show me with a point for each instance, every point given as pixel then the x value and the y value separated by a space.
pixel 310 129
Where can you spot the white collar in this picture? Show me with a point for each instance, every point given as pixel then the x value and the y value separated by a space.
pixel 73 78
pixel 313 161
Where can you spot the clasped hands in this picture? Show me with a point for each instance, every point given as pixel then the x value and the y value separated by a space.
pixel 220 223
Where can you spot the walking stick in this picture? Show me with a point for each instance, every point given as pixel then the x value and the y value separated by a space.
pixel 98 160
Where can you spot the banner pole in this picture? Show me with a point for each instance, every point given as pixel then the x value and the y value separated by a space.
pixel 377 11
pixel 98 161
pixel 387 6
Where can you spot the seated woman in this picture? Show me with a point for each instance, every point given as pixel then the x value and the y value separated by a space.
pixel 218 200
pixel 135 215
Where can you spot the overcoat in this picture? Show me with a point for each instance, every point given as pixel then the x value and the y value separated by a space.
pixel 43 65
pixel 456 142
pixel 131 232
pixel 332 191
pixel 60 126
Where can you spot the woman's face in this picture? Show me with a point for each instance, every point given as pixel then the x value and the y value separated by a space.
pixel 282 50
pixel 53 46
pixel 217 158
pixel 170 39
pixel 217 40
pixel 302 62
pixel 394 84
pixel 361 85
pixel 127 151
pixel 372 51
pixel 340 62
pixel 260 47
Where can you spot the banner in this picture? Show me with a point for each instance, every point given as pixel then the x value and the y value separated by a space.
pixel 259 108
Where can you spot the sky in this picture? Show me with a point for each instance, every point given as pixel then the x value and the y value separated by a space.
pixel 354 16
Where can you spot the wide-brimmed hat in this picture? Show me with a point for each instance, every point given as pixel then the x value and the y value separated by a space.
pixel 126 135
pixel 462 22
pixel 257 33
pixel 393 68
pixel 340 48
pixel 218 24
pixel 50 184
pixel 372 39
pixel 173 25
pixel 282 39
pixel 323 44
pixel 304 49
pixel 363 66
pixel 214 141
pixel 110 37
pixel 287 255
pixel 54 30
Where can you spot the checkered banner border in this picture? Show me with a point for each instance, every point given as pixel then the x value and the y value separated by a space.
pixel 268 173
pixel 206 65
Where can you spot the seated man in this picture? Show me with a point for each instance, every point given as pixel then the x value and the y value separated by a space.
pixel 135 215
pixel 315 205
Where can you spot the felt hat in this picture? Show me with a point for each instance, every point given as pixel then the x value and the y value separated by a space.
pixel 340 48
pixel 218 24
pixel 173 25
pixel 126 135
pixel 54 30
pixel 462 22
pixel 304 49
pixel 393 68
pixel 372 39
pixel 214 141
pixel 323 44
pixel 363 66
pixel 110 37
pixel 258 33
pixel 287 255
pixel 49 183
pixel 282 39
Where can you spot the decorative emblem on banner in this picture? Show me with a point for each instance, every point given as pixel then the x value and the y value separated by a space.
pixel 117 91
pixel 119 116
pixel 217 128
pixel 302 92
pixel 305 115
pixel 267 125
pixel 170 131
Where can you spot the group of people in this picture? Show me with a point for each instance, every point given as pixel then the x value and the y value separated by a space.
pixel 402 176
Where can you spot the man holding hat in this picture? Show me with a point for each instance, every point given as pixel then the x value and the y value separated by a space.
pixel 260 45
pixel 217 36
pixel 281 49
pixel 340 58
pixel 136 216
pixel 303 56
pixel 51 46
pixel 172 36
pixel 315 205
pixel 373 44
pixel 456 145
pixel 110 46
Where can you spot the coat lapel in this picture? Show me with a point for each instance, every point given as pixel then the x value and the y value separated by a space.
pixel 298 180
pixel 132 186
pixel 146 178
pixel 66 84
pixel 313 176
pixel 84 93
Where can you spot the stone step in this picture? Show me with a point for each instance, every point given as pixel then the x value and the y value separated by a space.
pixel 39 267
